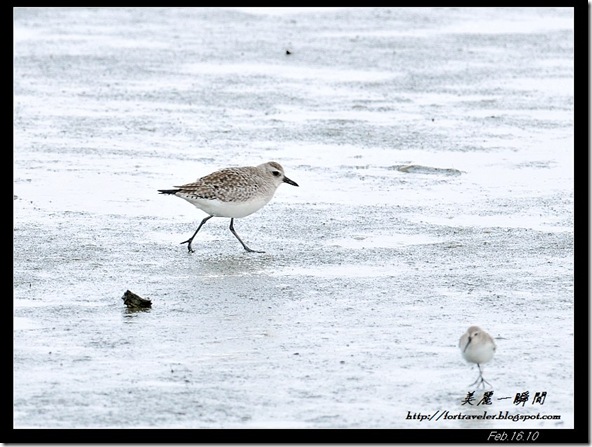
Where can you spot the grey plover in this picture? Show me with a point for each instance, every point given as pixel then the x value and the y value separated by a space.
pixel 232 192
pixel 477 346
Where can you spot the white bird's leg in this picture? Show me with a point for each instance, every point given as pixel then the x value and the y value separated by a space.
pixel 480 379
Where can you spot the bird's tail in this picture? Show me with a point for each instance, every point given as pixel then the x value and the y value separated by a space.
pixel 168 191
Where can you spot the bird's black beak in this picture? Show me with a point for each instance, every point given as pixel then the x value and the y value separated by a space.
pixel 468 343
pixel 290 182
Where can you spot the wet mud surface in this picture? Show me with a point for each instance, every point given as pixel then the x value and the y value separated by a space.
pixel 434 153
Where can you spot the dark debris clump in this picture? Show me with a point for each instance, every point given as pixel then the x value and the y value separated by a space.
pixel 133 301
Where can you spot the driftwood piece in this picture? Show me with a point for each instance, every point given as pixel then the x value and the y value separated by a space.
pixel 133 301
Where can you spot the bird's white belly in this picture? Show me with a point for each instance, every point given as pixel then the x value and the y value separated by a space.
pixel 479 354
pixel 217 208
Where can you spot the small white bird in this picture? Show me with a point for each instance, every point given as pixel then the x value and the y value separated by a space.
pixel 232 192
pixel 477 346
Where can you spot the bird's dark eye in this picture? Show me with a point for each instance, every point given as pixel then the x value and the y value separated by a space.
pixel 276 173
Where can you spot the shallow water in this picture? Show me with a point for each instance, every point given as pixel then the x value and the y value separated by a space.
pixel 351 318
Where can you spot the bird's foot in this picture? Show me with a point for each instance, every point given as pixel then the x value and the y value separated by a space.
pixel 250 250
pixel 188 242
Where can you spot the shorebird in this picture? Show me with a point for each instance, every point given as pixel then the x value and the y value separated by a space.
pixel 477 346
pixel 232 192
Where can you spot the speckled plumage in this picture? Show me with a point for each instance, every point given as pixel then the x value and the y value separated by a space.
pixel 232 192
pixel 234 184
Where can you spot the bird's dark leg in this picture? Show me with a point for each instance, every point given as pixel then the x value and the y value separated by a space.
pixel 188 241
pixel 239 239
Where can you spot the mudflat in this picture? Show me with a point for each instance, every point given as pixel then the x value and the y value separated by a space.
pixel 434 152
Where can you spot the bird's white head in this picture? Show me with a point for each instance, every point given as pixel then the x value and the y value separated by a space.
pixel 276 172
